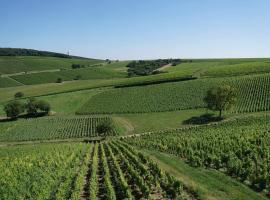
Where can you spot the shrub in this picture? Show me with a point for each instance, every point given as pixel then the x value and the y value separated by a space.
pixel 32 106
pixel 14 109
pixel 19 95
pixel 104 127
pixel 59 80
pixel 44 106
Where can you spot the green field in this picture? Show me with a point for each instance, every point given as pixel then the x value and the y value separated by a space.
pixel 117 172
pixel 239 148
pixel 49 128
pixel 160 147
pixel 17 64
pixel 103 72
pixel 180 96
pixel 221 67
pixel 8 82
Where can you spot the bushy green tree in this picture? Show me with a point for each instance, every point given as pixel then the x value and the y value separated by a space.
pixel 220 98
pixel 104 127
pixel 14 109
pixel 44 106
pixel 32 106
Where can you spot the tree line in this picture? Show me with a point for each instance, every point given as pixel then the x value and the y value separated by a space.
pixel 148 67
pixel 32 107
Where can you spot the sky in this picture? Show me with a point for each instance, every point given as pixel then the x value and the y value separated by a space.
pixel 138 29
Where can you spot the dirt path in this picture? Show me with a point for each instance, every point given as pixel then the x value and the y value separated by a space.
pixel 164 67
pixel 129 128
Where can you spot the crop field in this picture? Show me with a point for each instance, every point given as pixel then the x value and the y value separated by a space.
pixel 179 96
pixel 43 171
pixel 82 171
pixel 54 128
pixel 69 75
pixel 160 143
pixel 8 82
pixel 16 64
pixel 240 148
pixel 221 67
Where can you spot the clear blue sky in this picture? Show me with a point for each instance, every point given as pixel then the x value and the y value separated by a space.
pixel 139 29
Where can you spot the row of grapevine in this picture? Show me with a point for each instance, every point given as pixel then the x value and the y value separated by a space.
pixel 253 94
pixel 117 172
pixel 42 171
pixel 54 128
pixel 241 148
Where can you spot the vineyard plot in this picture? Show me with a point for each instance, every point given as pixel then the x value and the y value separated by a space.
pixel 76 171
pixel 54 128
pixel 240 148
pixel 120 172
pixel 253 94
pixel 43 171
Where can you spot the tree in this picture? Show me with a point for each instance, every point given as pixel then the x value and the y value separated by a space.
pixel 14 109
pixel 32 106
pixel 104 127
pixel 220 98
pixel 44 106
pixel 18 95
pixel 59 80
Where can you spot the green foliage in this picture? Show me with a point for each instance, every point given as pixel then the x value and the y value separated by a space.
pixel 14 109
pixel 48 128
pixel 220 98
pixel 142 68
pixel 241 147
pixel 44 106
pixel 32 106
pixel 8 82
pixel 25 64
pixel 18 95
pixel 41 171
pixel 59 80
pixel 69 75
pixel 180 96
pixel 105 127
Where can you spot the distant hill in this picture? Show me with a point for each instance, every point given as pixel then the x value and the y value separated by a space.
pixel 17 60
pixel 30 52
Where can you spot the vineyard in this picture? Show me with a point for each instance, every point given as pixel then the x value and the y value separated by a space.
pixel 54 128
pixel 68 75
pixel 7 82
pixel 253 94
pixel 83 171
pixel 240 148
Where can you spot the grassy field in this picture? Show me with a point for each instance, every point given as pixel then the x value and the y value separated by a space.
pixel 180 96
pixel 145 122
pixel 221 67
pixel 8 82
pixel 16 64
pixel 103 72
